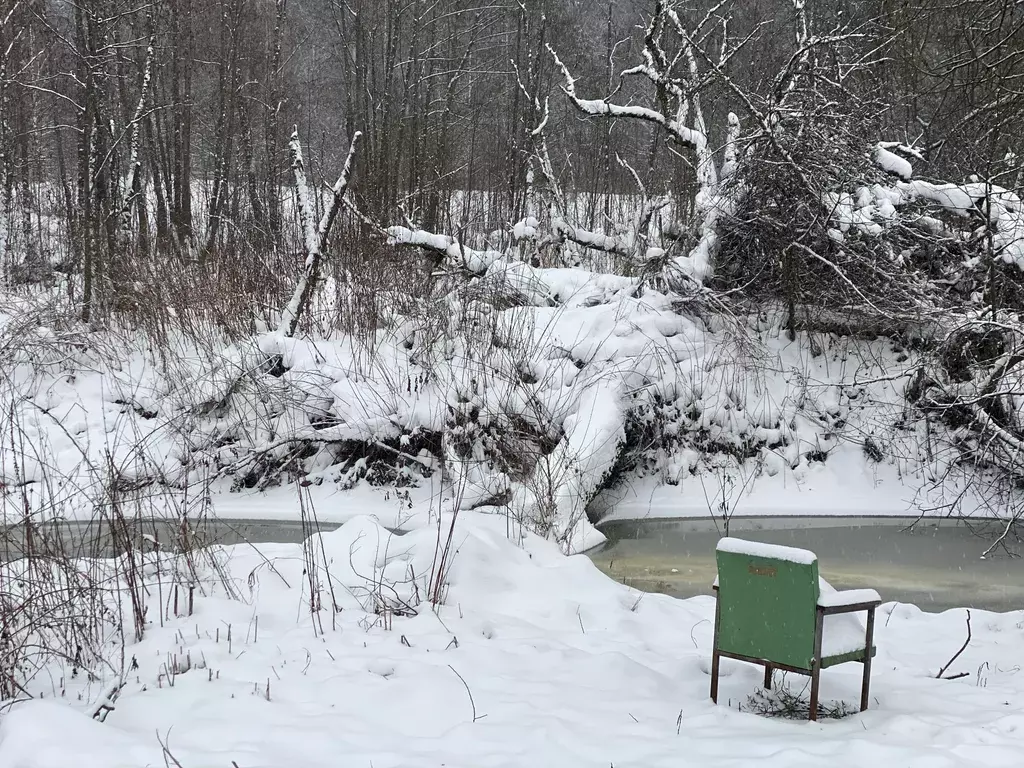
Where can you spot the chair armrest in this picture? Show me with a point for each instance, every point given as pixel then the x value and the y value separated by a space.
pixel 848 601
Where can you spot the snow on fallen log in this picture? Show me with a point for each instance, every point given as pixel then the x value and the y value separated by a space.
pixel 564 286
pixel 891 162
pixel 594 240
pixel 538 286
pixel 555 496
pixel 871 207
pixel 613 351
pixel 458 253
pixel 627 247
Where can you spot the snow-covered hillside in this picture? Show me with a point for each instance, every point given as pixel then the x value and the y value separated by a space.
pixel 528 412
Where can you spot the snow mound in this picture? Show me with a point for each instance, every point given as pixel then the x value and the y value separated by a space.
pixel 891 162
pixel 51 734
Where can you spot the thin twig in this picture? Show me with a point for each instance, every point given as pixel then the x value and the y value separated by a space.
pixel 169 759
pixel 469 692
pixel 957 654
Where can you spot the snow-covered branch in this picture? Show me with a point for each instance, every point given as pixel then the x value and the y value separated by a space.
pixel 689 137
pixel 458 253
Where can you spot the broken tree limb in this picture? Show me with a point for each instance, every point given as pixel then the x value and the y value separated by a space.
pixel 458 253
pixel 300 297
pixel 338 192
pixel 314 236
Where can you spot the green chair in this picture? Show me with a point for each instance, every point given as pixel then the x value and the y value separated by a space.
pixel 773 609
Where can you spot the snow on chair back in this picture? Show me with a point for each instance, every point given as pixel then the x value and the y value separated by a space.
pixel 767 599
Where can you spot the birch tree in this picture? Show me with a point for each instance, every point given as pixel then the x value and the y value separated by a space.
pixel 314 235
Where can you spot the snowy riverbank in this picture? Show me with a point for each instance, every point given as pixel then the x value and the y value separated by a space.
pixel 669 416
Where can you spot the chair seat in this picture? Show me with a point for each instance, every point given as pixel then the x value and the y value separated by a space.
pixel 843 634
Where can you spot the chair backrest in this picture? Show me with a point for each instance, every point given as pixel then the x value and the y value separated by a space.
pixel 767 601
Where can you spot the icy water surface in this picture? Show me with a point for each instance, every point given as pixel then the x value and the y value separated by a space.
pixel 935 564
pixel 95 539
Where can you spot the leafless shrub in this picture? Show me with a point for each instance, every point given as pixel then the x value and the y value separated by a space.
pixel 316 565
pixel 785 702
pixel 52 609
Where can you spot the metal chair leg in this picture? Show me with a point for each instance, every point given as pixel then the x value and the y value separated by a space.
pixel 715 660
pixel 869 639
pixel 819 631
pixel 815 685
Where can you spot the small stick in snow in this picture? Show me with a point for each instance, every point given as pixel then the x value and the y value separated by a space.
pixel 105 705
pixel 169 759
pixel 469 692
pixel 957 654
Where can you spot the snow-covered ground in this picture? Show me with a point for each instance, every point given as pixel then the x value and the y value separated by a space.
pixel 531 658
pixel 845 485
pixel 528 656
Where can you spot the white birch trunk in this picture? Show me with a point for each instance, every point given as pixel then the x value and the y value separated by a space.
pixel 134 165
pixel 314 236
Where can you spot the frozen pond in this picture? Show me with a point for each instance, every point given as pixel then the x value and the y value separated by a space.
pixel 95 539
pixel 935 564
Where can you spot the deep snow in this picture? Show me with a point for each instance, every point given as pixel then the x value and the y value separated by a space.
pixel 534 658
pixel 531 657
